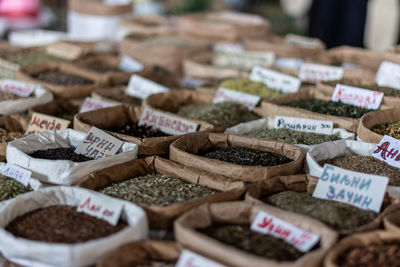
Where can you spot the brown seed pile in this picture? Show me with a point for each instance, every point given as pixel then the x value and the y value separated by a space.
pixel 62 78
pixel 6 136
pixel 392 129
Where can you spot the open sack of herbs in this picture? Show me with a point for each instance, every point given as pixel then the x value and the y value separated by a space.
pixel 52 158
pixel 62 235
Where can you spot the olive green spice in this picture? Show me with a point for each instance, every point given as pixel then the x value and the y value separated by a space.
pixel 392 129
pixel 366 164
pixel 339 216
pixel 10 188
pixel 157 189
pixel 32 58
pixel 241 237
pixel 225 114
pixel 250 87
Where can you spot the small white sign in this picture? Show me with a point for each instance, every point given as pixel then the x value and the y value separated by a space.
pixel 357 96
pixel 388 151
pixel 18 88
pixel 278 81
pixel 92 104
pixel 226 95
pixel 304 125
pixel 288 63
pixel 388 75
pixel 129 64
pixel 302 41
pixel 98 144
pixel 365 191
pixel 228 47
pixel 17 173
pixel 243 60
pixel 141 87
pixel 167 123
pixel 318 73
pixel 191 259
pixel 101 208
pixel 268 224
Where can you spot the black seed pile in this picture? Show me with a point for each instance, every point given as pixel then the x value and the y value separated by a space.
pixel 140 131
pixel 62 153
pixel 61 78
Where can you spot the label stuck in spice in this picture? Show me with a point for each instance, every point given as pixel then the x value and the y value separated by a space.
pixel 243 60
pixel 98 144
pixel 92 104
pixel 226 95
pixel 302 41
pixel 142 88
pixel 388 75
pixel 129 64
pixel 17 173
pixel 388 151
pixel 41 122
pixel 289 63
pixel 357 96
pixel 318 73
pixel 101 208
pixel 64 50
pixel 365 191
pixel 191 259
pixel 18 88
pixel 166 123
pixel 304 125
pixel 275 80
pixel 228 47
pixel 270 225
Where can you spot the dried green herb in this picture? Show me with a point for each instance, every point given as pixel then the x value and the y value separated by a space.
pixel 225 114
pixel 10 188
pixel 392 129
pixel 366 164
pixel 246 156
pixel 294 137
pixel 339 216
pixel 157 189
pixel 330 108
pixel 102 67
pixel 241 237
pixel 32 58
pixel 250 87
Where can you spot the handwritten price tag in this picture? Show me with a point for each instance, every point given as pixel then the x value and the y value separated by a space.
pixel 226 95
pixel 228 47
pixel 101 208
pixel 304 125
pixel 243 60
pixel 191 259
pixel 365 191
pixel 357 96
pixel 318 73
pixel 129 64
pixel 41 122
pixel 141 87
pixel 266 223
pixel 166 123
pixel 302 41
pixel 388 74
pixel 275 80
pixel 18 88
pixel 98 144
pixel 388 151
pixel 289 63
pixel 92 104
pixel 17 173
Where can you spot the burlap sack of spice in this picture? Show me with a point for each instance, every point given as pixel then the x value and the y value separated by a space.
pixel 118 116
pixel 275 107
pixel 15 126
pixel 64 109
pixel 61 91
pixel 185 150
pixel 61 172
pixel 375 118
pixel 142 252
pixel 245 213
pixel 392 221
pixel 150 25
pixel 161 217
pixel 35 253
pixel 220 27
pixel 359 240
pixel 307 183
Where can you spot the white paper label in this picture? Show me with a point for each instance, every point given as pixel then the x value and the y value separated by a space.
pixel 92 104
pixel 226 95
pixel 317 73
pixel 388 151
pixel 268 224
pixel 129 64
pixel 17 173
pixel 191 259
pixel 101 208
pixel 357 96
pixel 365 191
pixel 388 75
pixel 167 123
pixel 117 2
pixel 275 80
pixel 228 47
pixel 18 88
pixel 304 125
pixel 142 88
pixel 302 41
pixel 98 144
pixel 243 60
pixel 289 63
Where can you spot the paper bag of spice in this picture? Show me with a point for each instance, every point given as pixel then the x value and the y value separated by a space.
pixel 237 157
pixel 150 25
pixel 391 221
pixel 117 95
pixel 293 193
pixel 63 109
pixel 11 127
pixel 30 152
pixel 52 204
pixel 377 248
pixel 190 232
pixel 167 189
pixel 65 80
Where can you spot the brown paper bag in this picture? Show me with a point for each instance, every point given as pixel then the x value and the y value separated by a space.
pixel 118 116
pixel 244 213
pixel 12 123
pixel 98 8
pixel 76 91
pixel 162 217
pixel 307 183
pixel 392 221
pixel 150 25
pixel 64 109
pixel 116 95
pixel 359 240
pixel 185 150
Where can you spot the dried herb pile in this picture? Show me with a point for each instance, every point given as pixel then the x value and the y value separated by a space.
pixel 32 58
pixel 250 87
pixel 10 188
pixel 62 153
pixel 119 96
pixel 6 136
pixel 62 78
pixel 140 131
pixel 392 129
